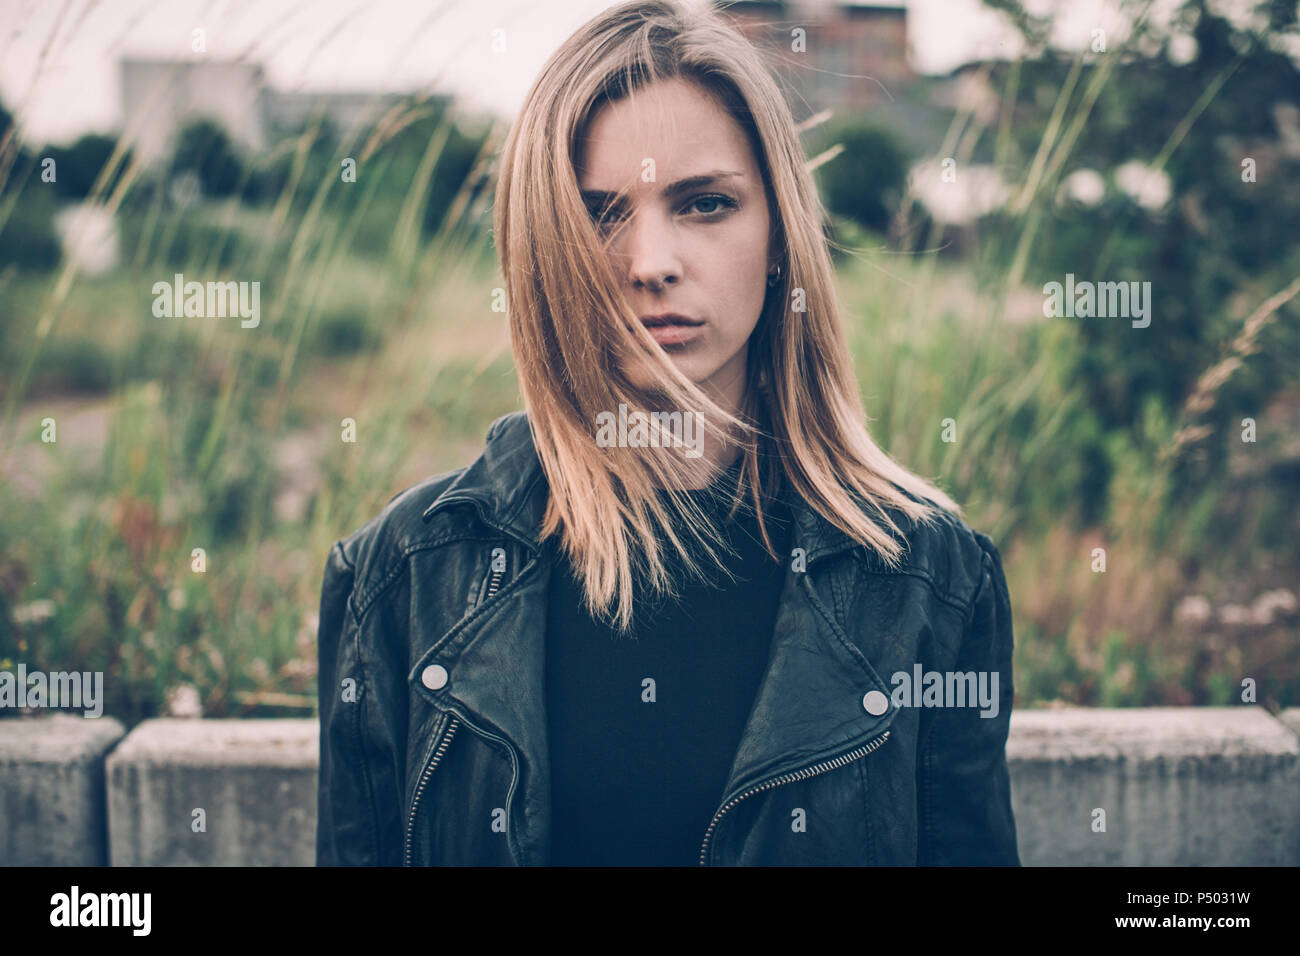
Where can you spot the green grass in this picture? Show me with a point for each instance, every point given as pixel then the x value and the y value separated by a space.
pixel 364 318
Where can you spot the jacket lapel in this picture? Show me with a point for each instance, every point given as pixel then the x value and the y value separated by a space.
pixel 808 709
pixel 496 666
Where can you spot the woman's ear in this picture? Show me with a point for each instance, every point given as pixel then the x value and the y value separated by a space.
pixel 776 252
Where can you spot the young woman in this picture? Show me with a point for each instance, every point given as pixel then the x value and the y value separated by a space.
pixel 675 611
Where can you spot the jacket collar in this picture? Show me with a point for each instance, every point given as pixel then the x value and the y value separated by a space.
pixel 508 486
pixel 808 712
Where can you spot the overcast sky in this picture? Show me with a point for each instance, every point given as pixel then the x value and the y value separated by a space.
pixel 58 58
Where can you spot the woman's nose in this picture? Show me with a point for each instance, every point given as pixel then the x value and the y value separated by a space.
pixel 650 247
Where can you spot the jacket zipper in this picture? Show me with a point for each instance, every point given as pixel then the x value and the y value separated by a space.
pixel 488 587
pixel 804 774
pixel 440 742
pixel 493 583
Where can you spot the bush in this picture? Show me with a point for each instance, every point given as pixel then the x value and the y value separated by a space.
pixel 345 332
pixel 865 182
pixel 77 166
pixel 28 238
pixel 205 148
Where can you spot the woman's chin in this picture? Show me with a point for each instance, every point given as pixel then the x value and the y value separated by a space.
pixel 643 375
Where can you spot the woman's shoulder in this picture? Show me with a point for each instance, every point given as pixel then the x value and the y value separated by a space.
pixel 945 550
pixel 389 536
pixel 382 544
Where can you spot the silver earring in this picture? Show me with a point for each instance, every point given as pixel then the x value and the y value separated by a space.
pixel 774 277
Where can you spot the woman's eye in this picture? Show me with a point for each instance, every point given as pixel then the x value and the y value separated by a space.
pixel 712 206
pixel 714 203
pixel 605 217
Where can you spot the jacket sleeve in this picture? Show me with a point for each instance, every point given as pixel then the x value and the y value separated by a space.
pixel 964 788
pixel 356 802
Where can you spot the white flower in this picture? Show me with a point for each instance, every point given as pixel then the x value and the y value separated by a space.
pixel 1193 609
pixel 183 701
pixel 1085 186
pixel 34 612
pixel 1149 188
pixel 1234 614
pixel 1269 604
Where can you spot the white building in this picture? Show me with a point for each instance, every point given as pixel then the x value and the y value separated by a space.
pixel 160 96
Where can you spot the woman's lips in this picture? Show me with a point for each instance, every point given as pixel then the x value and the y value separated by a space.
pixel 673 334
pixel 672 329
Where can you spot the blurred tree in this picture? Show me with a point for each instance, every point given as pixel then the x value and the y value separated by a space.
pixel 1203 96
pixel 449 175
pixel 81 163
pixel 6 123
pixel 267 178
pixel 315 146
pixel 865 182
pixel 204 147
pixel 27 206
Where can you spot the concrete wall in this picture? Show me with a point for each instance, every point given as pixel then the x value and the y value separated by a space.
pixel 1212 786
pixel 214 793
pixel 1178 786
pixel 52 797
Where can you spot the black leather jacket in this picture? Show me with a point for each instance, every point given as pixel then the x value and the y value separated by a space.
pixel 433 733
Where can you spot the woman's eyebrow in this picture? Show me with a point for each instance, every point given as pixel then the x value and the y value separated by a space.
pixel 603 198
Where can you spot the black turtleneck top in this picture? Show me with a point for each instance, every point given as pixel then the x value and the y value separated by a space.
pixel 643 728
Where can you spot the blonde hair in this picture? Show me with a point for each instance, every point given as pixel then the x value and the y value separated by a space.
pixel 570 323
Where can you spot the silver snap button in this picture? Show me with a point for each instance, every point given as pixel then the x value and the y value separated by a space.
pixel 434 677
pixel 875 703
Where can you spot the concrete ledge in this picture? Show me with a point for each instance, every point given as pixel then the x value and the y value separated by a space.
pixel 1291 718
pixel 254 782
pixel 1180 786
pixel 52 789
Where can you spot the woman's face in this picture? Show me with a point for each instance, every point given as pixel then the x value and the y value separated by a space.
pixel 674 186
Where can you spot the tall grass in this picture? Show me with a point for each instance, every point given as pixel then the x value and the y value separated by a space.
pixel 230 440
